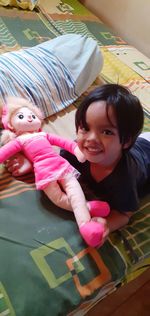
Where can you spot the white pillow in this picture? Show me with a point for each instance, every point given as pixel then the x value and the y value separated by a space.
pixel 52 74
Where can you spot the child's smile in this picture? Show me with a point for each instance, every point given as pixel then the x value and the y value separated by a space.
pixel 92 150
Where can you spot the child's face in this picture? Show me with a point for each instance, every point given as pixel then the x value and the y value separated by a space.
pixel 100 141
pixel 24 120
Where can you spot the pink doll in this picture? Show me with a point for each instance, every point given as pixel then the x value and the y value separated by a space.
pixel 53 174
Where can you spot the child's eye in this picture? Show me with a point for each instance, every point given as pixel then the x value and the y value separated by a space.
pixel 107 132
pixel 84 128
pixel 33 116
pixel 20 116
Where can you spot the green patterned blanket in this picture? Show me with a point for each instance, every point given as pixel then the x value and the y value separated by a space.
pixel 45 267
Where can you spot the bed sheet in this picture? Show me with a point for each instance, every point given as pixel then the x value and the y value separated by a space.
pixel 46 268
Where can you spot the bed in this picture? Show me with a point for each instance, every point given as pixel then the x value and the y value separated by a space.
pixel 45 266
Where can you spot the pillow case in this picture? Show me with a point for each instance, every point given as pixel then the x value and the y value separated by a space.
pixel 24 4
pixel 52 74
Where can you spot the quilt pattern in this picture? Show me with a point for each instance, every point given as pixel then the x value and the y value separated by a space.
pixel 42 253
pixel 41 246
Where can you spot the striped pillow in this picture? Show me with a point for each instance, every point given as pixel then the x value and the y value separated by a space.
pixel 38 74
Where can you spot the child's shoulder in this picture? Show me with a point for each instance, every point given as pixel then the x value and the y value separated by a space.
pixel 141 148
pixel 140 157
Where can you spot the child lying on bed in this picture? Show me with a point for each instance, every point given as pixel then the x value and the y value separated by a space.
pixel 117 167
pixel 53 174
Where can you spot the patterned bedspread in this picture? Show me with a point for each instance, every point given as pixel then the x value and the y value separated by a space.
pixel 46 269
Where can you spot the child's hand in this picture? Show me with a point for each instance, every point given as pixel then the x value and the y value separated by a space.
pixel 18 165
pixel 103 221
pixel 78 153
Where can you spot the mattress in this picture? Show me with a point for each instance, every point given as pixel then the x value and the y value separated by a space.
pixel 45 266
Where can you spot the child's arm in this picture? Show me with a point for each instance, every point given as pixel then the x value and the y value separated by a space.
pixel 117 220
pixel 67 144
pixel 9 150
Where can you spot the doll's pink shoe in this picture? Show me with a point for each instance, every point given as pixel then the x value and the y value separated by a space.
pixel 98 208
pixel 92 232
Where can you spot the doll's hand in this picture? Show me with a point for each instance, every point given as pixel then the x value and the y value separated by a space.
pixel 78 153
pixel 18 165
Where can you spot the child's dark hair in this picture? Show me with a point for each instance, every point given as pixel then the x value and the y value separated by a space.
pixel 127 108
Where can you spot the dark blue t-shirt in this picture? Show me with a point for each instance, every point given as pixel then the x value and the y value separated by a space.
pixel 128 181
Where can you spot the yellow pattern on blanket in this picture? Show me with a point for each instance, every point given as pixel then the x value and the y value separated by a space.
pixel 24 4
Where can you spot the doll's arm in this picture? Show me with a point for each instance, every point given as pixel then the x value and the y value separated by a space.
pixel 67 144
pixel 9 150
pixel 79 155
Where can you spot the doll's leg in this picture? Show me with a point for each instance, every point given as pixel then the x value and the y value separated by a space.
pixel 57 196
pixel 60 198
pixel 77 199
pixel 91 231
pixel 98 208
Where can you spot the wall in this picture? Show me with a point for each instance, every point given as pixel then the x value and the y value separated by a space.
pixel 129 18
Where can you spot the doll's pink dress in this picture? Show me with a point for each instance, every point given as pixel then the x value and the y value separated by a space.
pixel 48 164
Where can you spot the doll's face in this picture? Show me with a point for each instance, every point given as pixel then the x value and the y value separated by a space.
pixel 24 120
